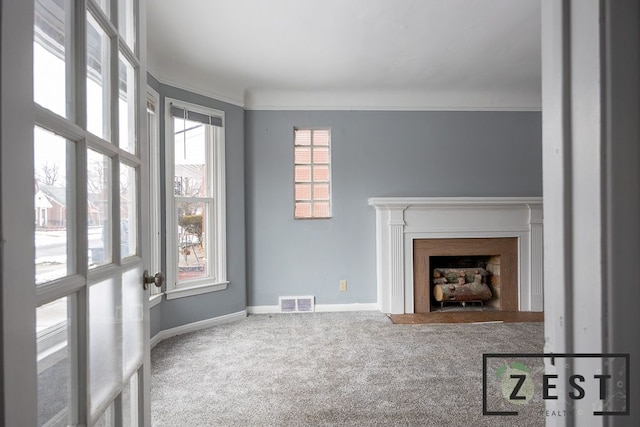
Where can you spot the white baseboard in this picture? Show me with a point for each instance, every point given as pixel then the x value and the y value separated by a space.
pixel 263 309
pixel 319 308
pixel 258 309
pixel 326 308
pixel 190 327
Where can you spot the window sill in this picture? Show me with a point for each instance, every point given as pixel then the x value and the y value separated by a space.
pixel 155 300
pixel 196 290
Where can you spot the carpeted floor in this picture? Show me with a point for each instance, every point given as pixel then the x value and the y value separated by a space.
pixel 333 369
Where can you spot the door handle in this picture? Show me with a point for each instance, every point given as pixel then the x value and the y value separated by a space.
pixel 157 279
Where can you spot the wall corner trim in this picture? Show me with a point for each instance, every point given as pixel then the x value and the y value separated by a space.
pixel 195 326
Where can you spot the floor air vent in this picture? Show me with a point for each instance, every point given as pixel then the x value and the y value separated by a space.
pixel 297 304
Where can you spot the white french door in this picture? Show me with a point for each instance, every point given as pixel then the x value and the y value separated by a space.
pixel 90 169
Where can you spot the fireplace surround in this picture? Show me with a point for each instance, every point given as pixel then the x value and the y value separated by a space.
pixel 400 221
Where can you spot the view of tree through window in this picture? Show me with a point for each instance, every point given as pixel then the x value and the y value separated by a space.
pixel 192 191
pixel 53 205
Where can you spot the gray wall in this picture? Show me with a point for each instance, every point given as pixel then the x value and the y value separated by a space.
pixel 177 312
pixel 155 322
pixel 153 82
pixel 374 153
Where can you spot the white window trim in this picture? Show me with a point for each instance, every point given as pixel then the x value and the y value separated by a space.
pixel 191 290
pixel 173 289
pixel 155 258
pixel 155 299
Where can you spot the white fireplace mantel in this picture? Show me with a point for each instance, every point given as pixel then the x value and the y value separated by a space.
pixel 401 220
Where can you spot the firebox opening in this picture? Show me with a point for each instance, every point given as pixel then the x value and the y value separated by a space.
pixel 467 290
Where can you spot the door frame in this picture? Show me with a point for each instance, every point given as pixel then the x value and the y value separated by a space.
pixel 17 252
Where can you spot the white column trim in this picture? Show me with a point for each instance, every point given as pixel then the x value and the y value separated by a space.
pixel 390 255
pixel 396 257
pixel 537 258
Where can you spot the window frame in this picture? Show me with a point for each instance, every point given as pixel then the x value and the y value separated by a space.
pixel 312 181
pixel 217 279
pixel 155 189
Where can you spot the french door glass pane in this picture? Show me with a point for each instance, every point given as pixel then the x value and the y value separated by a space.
pixel 132 322
pixel 130 403
pixel 98 87
pixel 105 342
pixel 190 156
pixel 192 244
pixel 127 105
pixel 54 363
pixel 128 211
pixel 50 55
pixel 99 208
pixel 53 205
pixel 126 22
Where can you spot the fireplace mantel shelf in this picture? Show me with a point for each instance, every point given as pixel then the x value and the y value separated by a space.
pixel 401 220
pixel 400 202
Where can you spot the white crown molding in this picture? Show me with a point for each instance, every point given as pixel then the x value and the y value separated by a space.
pixel 447 202
pixel 195 326
pixel 198 90
pixel 269 100
pixel 391 101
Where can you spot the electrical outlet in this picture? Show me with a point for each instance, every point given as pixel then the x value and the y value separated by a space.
pixel 343 286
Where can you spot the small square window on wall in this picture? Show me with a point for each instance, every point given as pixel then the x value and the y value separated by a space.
pixel 312 173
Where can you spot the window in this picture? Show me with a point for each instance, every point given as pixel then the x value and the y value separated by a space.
pixel 196 244
pixel 54 205
pixel 52 59
pixel 312 173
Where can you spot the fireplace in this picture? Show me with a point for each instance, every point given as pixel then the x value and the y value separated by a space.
pixel 494 259
pixel 406 223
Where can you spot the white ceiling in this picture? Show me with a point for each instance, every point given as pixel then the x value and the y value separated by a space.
pixel 351 54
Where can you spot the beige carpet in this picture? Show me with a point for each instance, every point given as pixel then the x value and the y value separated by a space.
pixel 334 369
